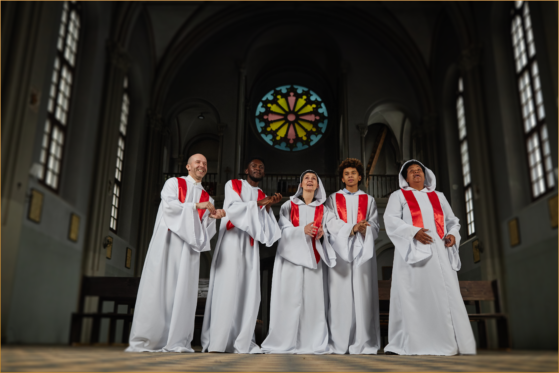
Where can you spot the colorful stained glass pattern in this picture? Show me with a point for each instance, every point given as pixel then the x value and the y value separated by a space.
pixel 291 118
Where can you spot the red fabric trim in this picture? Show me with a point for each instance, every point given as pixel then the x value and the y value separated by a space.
pixel 294 214
pixel 362 209
pixel 237 186
pixel 204 197
pixel 438 211
pixel 341 206
pixel 261 195
pixel 416 217
pixel 182 189
pixel 229 225
pixel 318 214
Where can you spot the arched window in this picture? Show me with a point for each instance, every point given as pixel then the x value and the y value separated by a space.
pixel 60 96
pixel 465 156
pixel 117 187
pixel 531 100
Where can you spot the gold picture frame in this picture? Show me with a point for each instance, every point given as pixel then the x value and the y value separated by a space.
pixel 35 206
pixel 552 203
pixel 514 232
pixel 476 251
pixel 128 262
pixel 108 245
pixel 73 232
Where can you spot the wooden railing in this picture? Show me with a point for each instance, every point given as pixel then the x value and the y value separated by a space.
pixel 381 186
pixel 287 184
pixel 209 182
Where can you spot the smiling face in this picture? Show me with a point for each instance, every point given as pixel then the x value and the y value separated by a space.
pixel 310 182
pixel 415 175
pixel 197 166
pixel 351 177
pixel 255 170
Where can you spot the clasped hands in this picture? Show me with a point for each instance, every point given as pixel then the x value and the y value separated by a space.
pixel 269 201
pixel 214 213
pixel 425 239
pixel 361 227
pixel 311 230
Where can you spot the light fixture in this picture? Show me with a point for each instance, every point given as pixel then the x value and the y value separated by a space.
pixel 201 116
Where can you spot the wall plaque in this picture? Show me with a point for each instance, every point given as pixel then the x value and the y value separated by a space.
pixel 476 250
pixel 108 245
pixel 74 227
pixel 128 262
pixel 35 206
pixel 552 202
pixel 514 232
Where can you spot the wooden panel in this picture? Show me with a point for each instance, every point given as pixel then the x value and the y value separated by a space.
pixel 118 287
pixel 384 289
pixel 476 290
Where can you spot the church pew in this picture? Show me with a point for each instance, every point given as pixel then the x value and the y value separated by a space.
pixel 473 292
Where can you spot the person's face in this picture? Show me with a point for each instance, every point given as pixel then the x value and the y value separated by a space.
pixel 351 177
pixel 415 175
pixel 255 170
pixel 309 183
pixel 198 166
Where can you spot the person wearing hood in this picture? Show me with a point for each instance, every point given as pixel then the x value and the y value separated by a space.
pixel 427 312
pixel 298 322
pixel 352 227
pixel 234 288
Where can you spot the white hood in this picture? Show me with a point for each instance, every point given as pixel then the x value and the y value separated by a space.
pixel 319 193
pixel 430 179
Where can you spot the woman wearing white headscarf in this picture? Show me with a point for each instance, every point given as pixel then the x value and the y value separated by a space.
pixel 298 306
pixel 427 313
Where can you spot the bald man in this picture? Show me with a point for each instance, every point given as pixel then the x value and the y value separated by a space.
pixel 166 304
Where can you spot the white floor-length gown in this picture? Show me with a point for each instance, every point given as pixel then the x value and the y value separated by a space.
pixel 234 289
pixel 427 312
pixel 353 312
pixel 298 323
pixel 166 303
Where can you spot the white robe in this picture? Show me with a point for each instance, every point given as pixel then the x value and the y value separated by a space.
pixel 353 312
pixel 427 312
pixel 234 289
pixel 299 297
pixel 166 303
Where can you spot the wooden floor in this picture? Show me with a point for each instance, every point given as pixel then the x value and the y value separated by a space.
pixel 111 359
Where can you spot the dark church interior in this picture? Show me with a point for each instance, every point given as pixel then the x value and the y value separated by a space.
pixel 103 101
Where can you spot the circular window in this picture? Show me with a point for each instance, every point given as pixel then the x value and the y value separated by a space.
pixel 291 118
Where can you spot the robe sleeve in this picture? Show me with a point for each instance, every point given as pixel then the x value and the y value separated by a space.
pixel 248 217
pixel 294 246
pixel 338 232
pixel 402 234
pixel 183 219
pixel 366 247
pixel 452 225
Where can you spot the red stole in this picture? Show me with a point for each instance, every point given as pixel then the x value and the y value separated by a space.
pixel 318 214
pixel 361 209
pixel 415 210
pixel 183 188
pixel 238 188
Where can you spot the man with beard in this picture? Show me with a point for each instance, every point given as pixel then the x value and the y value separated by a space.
pixel 234 289
pixel 166 304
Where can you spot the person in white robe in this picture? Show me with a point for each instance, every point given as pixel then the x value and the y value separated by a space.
pixel 166 304
pixel 298 322
pixel 234 288
pixel 427 312
pixel 352 227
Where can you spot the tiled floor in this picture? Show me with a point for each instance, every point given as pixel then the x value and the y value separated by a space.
pixel 111 359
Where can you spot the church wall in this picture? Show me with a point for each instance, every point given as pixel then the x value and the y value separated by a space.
pixel 47 276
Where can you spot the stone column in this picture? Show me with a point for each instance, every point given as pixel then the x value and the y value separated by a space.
pixel 241 108
pixel 485 209
pixel 220 185
pixel 363 129
pixel 100 207
pixel 344 111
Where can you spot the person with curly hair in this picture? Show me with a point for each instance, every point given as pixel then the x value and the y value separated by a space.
pixel 352 227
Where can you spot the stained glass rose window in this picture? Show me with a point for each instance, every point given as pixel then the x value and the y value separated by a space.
pixel 291 118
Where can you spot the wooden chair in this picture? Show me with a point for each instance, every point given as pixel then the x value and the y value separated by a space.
pixel 473 292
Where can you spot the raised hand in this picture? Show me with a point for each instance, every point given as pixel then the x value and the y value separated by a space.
pixel 449 240
pixel 218 214
pixel 270 200
pixel 310 229
pixel 423 237
pixel 206 206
